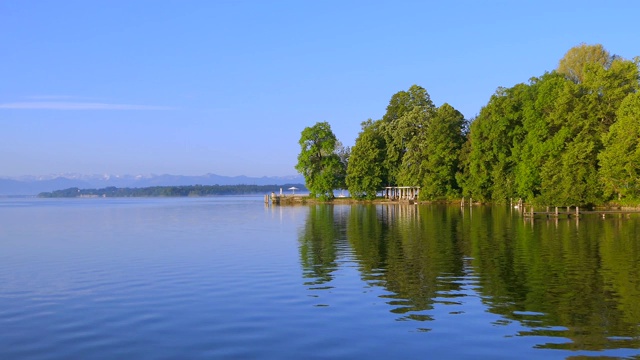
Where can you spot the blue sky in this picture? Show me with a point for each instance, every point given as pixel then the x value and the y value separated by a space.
pixel 226 87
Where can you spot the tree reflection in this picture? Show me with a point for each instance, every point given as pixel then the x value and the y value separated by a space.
pixel 561 278
pixel 318 244
pixel 573 285
pixel 406 249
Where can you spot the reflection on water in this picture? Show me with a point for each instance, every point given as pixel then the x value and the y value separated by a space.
pixel 570 285
pixel 227 277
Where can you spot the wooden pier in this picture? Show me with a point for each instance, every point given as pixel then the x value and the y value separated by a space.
pixel 530 212
pixel 275 199
pixel 576 213
pixel 551 214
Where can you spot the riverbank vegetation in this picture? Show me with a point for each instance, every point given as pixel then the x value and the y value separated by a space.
pixel 567 137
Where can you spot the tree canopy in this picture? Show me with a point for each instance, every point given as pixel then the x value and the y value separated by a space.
pixel 319 162
pixel 572 65
pixel 567 137
pixel 366 173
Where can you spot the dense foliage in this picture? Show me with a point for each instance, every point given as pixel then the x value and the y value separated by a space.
pixel 322 161
pixel 567 137
pixel 366 172
pixel 415 144
pixel 551 141
pixel 159 191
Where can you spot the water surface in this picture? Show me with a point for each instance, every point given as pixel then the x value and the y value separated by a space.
pixel 227 277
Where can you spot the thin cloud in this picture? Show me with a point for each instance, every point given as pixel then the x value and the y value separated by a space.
pixel 56 105
pixel 68 98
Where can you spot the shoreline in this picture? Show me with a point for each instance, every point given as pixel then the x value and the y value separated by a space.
pixel 304 199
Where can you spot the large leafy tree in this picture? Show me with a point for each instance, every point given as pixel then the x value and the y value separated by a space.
pixel 366 173
pixel 433 151
pixel 584 111
pixel 604 88
pixel 493 135
pixel 318 162
pixel 535 149
pixel 406 116
pixel 620 159
pixel 443 142
pixel 541 140
pixel 573 64
pixel 413 127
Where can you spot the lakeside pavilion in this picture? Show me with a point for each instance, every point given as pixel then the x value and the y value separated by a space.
pixel 401 192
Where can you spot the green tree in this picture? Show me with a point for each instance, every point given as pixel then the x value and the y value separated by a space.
pixel 366 173
pixel 536 149
pixel 572 65
pixel 405 117
pixel 620 159
pixel 443 142
pixel 494 135
pixel 413 127
pixel 604 88
pixel 318 161
pixel 583 112
pixel 541 140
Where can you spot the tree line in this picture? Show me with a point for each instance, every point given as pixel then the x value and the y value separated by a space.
pixel 567 137
pixel 170 191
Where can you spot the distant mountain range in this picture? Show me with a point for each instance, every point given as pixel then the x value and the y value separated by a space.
pixel 33 185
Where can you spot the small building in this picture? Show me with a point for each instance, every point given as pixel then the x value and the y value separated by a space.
pixel 401 192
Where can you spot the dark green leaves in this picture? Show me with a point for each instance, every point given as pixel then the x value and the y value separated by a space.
pixel 318 161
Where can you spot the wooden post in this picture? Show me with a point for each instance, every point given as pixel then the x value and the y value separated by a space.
pixel 556 211
pixel 577 211
pixel 266 199
pixel 462 202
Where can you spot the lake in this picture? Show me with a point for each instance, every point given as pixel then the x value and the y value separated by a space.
pixel 229 278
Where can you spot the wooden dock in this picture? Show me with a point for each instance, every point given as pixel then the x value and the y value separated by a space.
pixel 556 213
pixel 274 199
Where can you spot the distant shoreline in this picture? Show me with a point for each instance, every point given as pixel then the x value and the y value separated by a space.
pixel 170 191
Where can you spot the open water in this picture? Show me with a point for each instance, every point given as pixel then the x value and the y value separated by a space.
pixel 228 278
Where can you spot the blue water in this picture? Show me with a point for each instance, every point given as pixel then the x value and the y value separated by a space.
pixel 229 278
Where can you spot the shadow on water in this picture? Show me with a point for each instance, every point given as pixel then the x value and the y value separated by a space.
pixel 573 285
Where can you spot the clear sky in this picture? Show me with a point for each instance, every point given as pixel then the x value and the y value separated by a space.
pixel 226 86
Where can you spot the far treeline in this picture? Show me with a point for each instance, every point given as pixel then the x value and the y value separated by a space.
pixel 568 137
pixel 171 191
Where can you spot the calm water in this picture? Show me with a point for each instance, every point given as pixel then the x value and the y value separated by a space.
pixel 227 277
